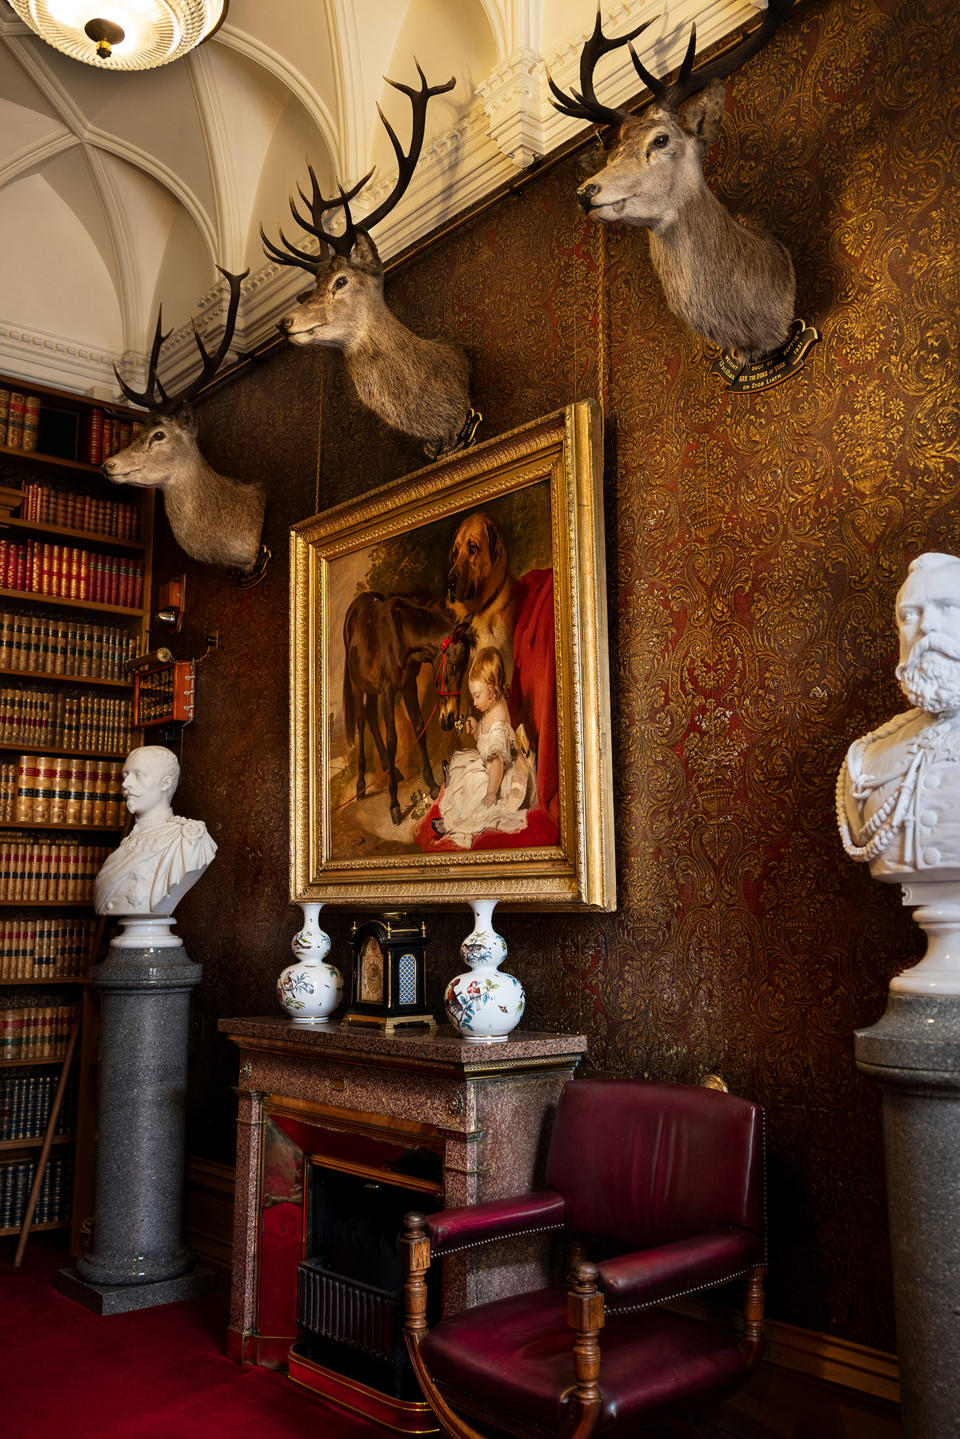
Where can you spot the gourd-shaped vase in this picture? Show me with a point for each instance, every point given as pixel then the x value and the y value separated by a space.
pixel 483 1003
pixel 310 989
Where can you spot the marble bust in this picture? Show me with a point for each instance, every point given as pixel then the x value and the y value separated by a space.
pixel 164 854
pixel 898 792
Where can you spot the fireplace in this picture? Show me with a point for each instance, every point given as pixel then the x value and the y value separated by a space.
pixel 350 1285
pixel 341 1132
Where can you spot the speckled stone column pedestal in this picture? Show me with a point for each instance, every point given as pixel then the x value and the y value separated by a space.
pixel 138 1258
pixel 914 1054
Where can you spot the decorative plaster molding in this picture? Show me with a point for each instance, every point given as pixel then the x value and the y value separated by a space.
pixel 51 359
pixel 513 97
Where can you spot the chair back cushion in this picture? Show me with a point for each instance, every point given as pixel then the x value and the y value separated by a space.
pixel 645 1164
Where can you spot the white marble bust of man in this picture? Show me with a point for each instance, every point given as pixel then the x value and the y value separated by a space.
pixel 898 793
pixel 164 854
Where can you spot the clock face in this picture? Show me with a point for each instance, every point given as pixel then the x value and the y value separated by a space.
pixel 371 972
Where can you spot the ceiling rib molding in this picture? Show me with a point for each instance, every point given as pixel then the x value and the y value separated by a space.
pixel 130 293
pixel 213 129
pixel 350 155
pixel 314 104
pixel 31 59
pixel 32 156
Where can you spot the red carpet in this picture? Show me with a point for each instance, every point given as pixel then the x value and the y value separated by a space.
pixel 157 1374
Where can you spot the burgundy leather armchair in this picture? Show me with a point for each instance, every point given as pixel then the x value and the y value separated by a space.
pixel 667 1176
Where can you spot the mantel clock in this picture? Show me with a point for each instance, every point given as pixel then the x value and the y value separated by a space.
pixel 389 974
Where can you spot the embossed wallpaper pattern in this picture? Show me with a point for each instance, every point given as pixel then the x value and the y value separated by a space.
pixel 754 548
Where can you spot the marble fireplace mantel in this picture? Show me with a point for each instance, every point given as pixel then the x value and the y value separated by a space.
pixel 483 1109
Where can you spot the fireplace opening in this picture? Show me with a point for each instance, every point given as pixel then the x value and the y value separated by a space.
pixel 350 1285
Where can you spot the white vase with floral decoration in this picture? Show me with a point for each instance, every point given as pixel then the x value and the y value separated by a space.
pixel 484 1004
pixel 310 989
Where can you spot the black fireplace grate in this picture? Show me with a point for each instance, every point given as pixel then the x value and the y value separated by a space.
pixel 333 1306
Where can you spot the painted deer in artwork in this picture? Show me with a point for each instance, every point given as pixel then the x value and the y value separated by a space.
pixel 214 519
pixel 386 641
pixel 418 386
pixel 732 285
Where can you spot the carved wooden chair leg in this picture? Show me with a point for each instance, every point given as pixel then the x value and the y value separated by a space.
pixel 584 1313
pixel 415 1243
pixel 753 1313
pixel 585 1317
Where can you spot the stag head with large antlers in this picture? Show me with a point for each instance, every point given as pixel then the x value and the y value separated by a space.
pixel 214 519
pixel 418 386
pixel 733 285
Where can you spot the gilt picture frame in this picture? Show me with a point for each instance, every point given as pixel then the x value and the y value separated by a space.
pixel 450 709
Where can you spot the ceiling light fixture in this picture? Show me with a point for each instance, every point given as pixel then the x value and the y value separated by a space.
pixel 122 34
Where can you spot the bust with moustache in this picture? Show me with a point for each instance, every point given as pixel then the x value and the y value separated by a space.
pixel 898 792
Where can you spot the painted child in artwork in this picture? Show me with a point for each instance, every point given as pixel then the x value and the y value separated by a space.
pixel 494 785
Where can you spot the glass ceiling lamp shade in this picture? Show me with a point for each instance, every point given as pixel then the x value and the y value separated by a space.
pixel 122 34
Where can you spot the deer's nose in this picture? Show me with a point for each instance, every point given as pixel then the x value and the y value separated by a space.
pixel 585 195
pixel 285 325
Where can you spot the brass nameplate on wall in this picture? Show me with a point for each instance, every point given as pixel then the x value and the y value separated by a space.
pixel 774 368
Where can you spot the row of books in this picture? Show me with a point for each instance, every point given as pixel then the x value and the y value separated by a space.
pixel 53 1201
pixel 19 420
pixel 58 645
pixel 103 435
pixel 34 868
pixel 43 949
pixel 48 505
pixel 56 789
pixel 36 1031
pixel 61 719
pixel 38 568
pixel 25 1100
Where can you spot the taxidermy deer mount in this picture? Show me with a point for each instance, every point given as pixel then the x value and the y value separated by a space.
pixel 732 285
pixel 418 386
pixel 214 519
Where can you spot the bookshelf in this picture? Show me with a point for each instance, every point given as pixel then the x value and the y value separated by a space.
pixel 75 584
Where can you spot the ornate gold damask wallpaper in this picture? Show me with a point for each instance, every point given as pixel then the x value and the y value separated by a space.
pixel 754 544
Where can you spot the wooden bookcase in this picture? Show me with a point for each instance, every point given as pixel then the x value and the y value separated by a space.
pixel 65 698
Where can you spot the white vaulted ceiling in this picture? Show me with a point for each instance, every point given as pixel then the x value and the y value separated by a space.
pixel 119 191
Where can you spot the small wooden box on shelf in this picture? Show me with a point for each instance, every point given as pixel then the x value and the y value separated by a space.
pixel 75 584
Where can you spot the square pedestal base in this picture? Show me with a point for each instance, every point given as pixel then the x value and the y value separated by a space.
pixel 124 1298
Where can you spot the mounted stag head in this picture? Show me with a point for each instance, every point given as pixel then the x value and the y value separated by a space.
pixel 418 386
pixel 733 285
pixel 214 519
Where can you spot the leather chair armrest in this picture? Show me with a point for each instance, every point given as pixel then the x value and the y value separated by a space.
pixel 453 1229
pixel 651 1276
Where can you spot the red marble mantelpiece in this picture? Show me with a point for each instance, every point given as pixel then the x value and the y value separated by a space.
pixel 483 1108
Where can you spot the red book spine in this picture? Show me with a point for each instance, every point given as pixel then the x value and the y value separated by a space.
pixel 15 420
pixel 94 446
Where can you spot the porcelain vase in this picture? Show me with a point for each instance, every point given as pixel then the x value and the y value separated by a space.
pixel 310 989
pixel 484 1004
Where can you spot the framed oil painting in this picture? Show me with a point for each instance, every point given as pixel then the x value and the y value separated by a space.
pixel 450 715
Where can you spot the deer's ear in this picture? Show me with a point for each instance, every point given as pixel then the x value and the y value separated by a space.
pixel 364 255
pixel 700 116
pixel 185 417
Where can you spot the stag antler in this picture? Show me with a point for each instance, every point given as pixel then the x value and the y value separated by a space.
pixel 341 243
pixel 691 82
pixel 583 104
pixel 155 397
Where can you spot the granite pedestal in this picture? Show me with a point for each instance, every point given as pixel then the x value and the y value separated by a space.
pixel 138 1258
pixel 914 1054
